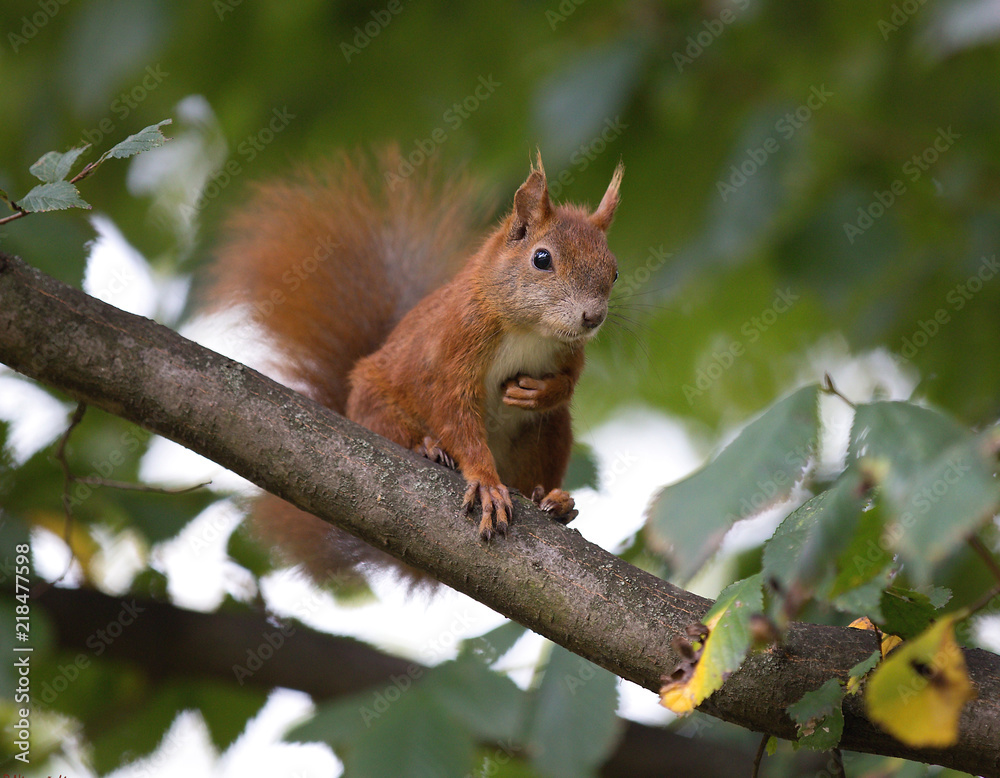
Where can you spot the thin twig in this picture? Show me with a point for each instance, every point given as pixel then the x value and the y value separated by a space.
pixel 987 556
pixel 125 485
pixel 760 755
pixel 830 388
pixel 70 478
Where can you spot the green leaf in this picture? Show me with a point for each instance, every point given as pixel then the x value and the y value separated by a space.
pixel 819 716
pixel 864 559
pixel 428 725
pixel 582 470
pixel 725 648
pixel 943 502
pixel 906 612
pixel 494 644
pixel 147 138
pixel 54 166
pixel 161 516
pixel 904 434
pixel 572 723
pixel 225 708
pixel 249 553
pixel 57 196
pixel 488 703
pixel 862 668
pixel 758 469
pixel 800 552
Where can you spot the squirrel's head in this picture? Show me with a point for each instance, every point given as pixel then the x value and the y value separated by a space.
pixel 557 269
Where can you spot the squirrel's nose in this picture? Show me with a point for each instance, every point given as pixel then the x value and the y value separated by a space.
pixel 594 317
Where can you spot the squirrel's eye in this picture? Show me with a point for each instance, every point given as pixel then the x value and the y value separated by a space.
pixel 616 276
pixel 541 259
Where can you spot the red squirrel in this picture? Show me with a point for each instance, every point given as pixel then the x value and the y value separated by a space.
pixel 354 282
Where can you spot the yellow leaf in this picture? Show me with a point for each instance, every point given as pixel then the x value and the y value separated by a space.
pixel 917 694
pixel 684 694
pixel 889 642
pixel 721 645
pixel 83 545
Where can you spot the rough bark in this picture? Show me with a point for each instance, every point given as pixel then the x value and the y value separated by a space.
pixel 544 576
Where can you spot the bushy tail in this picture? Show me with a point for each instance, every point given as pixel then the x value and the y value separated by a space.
pixel 327 263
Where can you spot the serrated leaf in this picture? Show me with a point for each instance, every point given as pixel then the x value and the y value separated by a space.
pixel 819 717
pixel 857 673
pixel 57 196
pixel 943 502
pixel 917 694
pixel 800 552
pixel 572 719
pixel 901 433
pixel 688 520
pixel 863 560
pixel 906 612
pixel 55 166
pixel 725 648
pixel 147 138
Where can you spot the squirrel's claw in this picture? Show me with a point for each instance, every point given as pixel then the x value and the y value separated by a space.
pixel 497 507
pixel 430 449
pixel 557 502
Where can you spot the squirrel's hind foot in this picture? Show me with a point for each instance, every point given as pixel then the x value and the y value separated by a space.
pixel 557 502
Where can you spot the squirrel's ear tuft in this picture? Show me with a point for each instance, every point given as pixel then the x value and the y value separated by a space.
pixel 531 203
pixel 601 218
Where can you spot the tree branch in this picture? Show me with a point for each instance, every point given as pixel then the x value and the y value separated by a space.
pixel 545 576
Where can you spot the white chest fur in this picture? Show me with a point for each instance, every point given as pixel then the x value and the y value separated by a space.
pixel 518 353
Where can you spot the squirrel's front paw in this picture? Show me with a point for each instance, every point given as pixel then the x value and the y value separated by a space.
pixel 430 449
pixel 557 502
pixel 536 394
pixel 497 507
